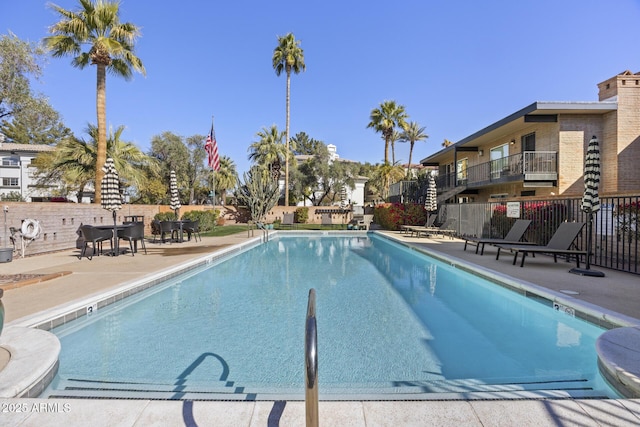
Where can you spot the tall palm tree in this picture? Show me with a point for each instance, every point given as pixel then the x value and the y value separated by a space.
pixel 385 120
pixel 288 56
pixel 110 47
pixel 395 136
pixel 269 151
pixel 412 134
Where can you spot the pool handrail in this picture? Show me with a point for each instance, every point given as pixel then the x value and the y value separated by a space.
pixel 311 362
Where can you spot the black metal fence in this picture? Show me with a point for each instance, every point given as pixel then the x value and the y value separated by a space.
pixel 615 231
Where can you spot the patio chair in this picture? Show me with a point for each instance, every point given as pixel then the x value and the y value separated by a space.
pixel 155 229
pixel 133 235
pixel 95 236
pixel 446 228
pixel 167 227
pixel 192 227
pixel 514 236
pixel 287 220
pixel 559 244
pixel 410 229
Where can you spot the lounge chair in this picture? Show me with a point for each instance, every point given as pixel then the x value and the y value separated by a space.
pixel 410 229
pixel 447 228
pixel 514 236
pixel 559 244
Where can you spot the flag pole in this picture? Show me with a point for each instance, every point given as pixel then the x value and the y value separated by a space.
pixel 213 172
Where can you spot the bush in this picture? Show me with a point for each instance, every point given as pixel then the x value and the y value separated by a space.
pixel 302 215
pixel 165 216
pixel 207 219
pixel 391 216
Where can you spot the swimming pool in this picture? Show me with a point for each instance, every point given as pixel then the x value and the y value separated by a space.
pixel 392 324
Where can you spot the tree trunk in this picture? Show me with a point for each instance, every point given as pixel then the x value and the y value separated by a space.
pixel 410 153
pixel 386 150
pixel 101 110
pixel 286 159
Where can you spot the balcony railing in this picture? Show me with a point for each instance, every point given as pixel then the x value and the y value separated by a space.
pixel 526 166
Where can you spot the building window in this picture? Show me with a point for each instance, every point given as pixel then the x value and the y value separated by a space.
pixel 499 160
pixel 528 142
pixel 10 161
pixel 9 182
pixel 461 171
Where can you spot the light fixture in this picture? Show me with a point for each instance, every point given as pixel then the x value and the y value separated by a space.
pixel 480 153
pixel 513 141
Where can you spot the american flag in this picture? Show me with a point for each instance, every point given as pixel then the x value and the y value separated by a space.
pixel 212 151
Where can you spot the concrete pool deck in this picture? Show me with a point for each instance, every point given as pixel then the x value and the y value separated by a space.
pixel 615 293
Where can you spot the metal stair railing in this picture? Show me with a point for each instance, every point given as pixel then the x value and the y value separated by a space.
pixel 311 362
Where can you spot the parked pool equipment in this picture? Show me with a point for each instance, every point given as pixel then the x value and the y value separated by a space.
pixel 6 253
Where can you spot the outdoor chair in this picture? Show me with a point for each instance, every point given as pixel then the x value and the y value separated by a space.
pixel 410 229
pixel 155 229
pixel 446 228
pixel 514 236
pixel 95 236
pixel 559 244
pixel 192 227
pixel 133 235
pixel 167 227
pixel 287 220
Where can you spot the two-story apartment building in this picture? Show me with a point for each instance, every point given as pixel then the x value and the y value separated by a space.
pixel 16 172
pixel 540 149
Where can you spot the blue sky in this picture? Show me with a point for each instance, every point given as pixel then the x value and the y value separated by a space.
pixel 457 66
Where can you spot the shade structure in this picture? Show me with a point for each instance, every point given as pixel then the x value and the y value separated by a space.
pixel 431 199
pixel 590 198
pixel 175 199
pixel 110 194
pixel 343 197
pixel 590 201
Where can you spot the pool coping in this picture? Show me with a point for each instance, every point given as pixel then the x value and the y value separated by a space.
pixel 49 319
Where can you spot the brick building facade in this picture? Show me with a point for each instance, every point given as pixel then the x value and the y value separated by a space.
pixel 539 150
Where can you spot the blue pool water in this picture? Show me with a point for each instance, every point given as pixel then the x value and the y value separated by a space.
pixel 391 321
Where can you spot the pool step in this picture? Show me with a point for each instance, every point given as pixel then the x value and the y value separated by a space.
pixel 405 390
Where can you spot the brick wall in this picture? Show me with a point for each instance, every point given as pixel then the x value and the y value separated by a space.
pixel 60 222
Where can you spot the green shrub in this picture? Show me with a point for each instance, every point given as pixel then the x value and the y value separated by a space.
pixel 302 215
pixel 165 216
pixel 207 219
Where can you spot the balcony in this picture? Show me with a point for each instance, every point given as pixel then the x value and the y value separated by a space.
pixel 530 167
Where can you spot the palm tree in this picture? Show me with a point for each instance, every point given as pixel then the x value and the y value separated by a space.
pixel 269 151
pixel 383 176
pixel 395 136
pixel 385 119
pixel 288 56
pixel 412 134
pixel 226 176
pixel 73 161
pixel 96 25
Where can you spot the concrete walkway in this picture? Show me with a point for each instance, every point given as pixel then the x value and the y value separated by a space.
pixel 616 294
